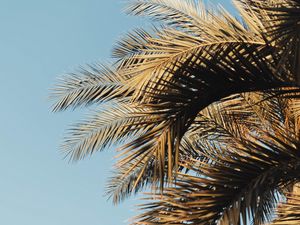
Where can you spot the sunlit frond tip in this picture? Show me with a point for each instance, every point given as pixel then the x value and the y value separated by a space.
pixel 91 84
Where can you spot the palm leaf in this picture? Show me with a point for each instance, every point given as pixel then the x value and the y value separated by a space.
pixel 93 84
pixel 123 183
pixel 180 14
pixel 237 187
pixel 113 124
pixel 281 20
pixel 288 212
pixel 138 173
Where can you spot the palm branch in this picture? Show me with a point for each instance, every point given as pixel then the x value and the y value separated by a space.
pixel 91 84
pixel 237 187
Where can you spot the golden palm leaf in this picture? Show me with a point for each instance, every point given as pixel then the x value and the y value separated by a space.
pixel 288 213
pixel 237 187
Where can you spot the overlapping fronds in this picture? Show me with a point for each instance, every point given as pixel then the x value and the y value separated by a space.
pixel 288 213
pixel 240 116
pixel 235 188
pixel 281 18
pixel 160 54
pixel 180 71
pixel 200 87
pixel 136 174
pixel 281 21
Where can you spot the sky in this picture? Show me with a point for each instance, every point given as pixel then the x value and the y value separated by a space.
pixel 39 41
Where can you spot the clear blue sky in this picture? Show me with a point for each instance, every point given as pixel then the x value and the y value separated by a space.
pixel 40 40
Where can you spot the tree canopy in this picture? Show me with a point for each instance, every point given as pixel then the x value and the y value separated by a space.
pixel 205 107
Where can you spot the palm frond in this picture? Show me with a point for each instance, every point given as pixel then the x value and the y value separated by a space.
pixel 281 19
pixel 180 14
pixel 113 124
pixel 288 212
pixel 93 84
pixel 123 183
pixel 214 125
pixel 140 172
pixel 164 50
pixel 238 187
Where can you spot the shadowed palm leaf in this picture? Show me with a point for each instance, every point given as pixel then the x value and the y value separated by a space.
pixel 236 187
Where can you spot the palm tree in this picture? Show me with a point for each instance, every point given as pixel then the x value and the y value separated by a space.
pixel 206 110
